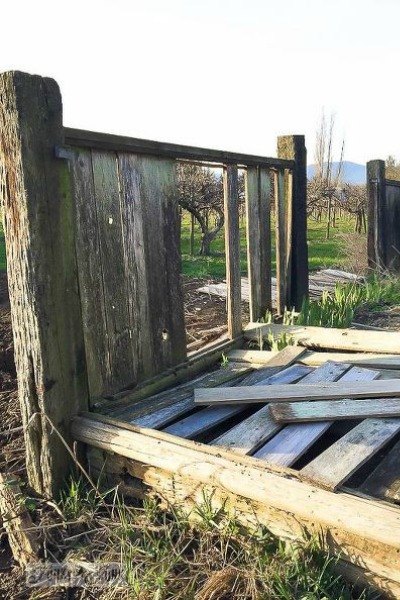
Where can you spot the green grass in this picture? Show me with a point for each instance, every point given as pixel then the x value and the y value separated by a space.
pixel 322 253
pixel 166 554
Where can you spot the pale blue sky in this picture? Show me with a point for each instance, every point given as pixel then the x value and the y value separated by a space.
pixel 229 74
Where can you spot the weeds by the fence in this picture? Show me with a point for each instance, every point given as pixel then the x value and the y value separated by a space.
pixel 165 554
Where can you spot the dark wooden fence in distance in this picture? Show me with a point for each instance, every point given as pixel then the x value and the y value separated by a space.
pixel 92 235
pixel 383 219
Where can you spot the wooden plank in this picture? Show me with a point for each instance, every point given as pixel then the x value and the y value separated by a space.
pixel 232 250
pixel 384 481
pixel 316 359
pixel 350 452
pixel 258 241
pixel 302 392
pixel 331 339
pixel 294 440
pixel 135 267
pixel 119 143
pixel 17 522
pixel 336 410
pixel 161 409
pixel 280 240
pixel 211 416
pixel 365 532
pixel 249 434
pixel 376 194
pixel 39 226
pixel 90 275
pixel 184 372
pixel 157 179
pixel 293 147
pixel 123 363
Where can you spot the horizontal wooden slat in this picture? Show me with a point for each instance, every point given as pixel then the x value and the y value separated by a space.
pixel 119 143
pixel 383 342
pixel 336 410
pixel 350 452
pixel 316 359
pixel 250 433
pixel 301 392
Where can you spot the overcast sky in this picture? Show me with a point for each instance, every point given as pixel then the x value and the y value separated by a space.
pixel 228 74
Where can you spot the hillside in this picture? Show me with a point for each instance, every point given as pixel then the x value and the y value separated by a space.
pixel 351 172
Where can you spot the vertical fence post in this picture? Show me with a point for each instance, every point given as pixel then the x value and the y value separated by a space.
pixel 376 197
pixel 258 189
pixel 293 147
pixel 232 250
pixel 39 232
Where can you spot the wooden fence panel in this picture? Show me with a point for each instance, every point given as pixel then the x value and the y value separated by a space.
pixel 129 266
pixel 281 240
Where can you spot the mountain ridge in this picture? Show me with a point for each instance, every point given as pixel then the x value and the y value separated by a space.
pixel 352 172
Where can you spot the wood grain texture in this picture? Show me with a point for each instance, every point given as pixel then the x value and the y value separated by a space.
pixel 17 522
pixel 302 392
pixel 209 417
pixel 350 452
pixel 249 434
pixel 316 359
pixel 336 410
pixel 281 242
pixel 361 531
pixel 376 193
pixel 159 410
pixel 258 240
pixel 90 275
pixel 42 273
pixel 232 250
pixel 384 481
pixel 283 444
pixel 293 147
pixel 123 363
pixel 382 342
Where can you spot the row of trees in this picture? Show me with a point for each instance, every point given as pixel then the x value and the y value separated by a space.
pixel 329 198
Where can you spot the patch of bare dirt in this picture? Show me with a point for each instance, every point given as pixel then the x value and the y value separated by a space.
pixel 205 314
pixel 386 318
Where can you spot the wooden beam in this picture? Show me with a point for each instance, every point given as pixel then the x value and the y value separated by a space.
pixel 376 195
pixel 332 339
pixel 316 359
pixel 362 532
pixel 258 225
pixel 334 410
pixel 39 224
pixel 301 392
pixel 281 242
pixel 293 147
pixel 120 143
pixel 384 481
pixel 232 250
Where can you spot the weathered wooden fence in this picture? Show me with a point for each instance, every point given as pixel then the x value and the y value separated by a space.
pixel 383 219
pixel 92 234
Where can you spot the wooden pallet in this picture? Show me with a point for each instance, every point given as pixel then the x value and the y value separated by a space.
pixel 287 477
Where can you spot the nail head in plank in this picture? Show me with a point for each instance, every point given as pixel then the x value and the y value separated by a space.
pixel 350 452
pixel 336 410
pixel 302 392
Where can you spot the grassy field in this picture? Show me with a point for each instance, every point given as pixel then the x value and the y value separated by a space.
pixel 322 252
